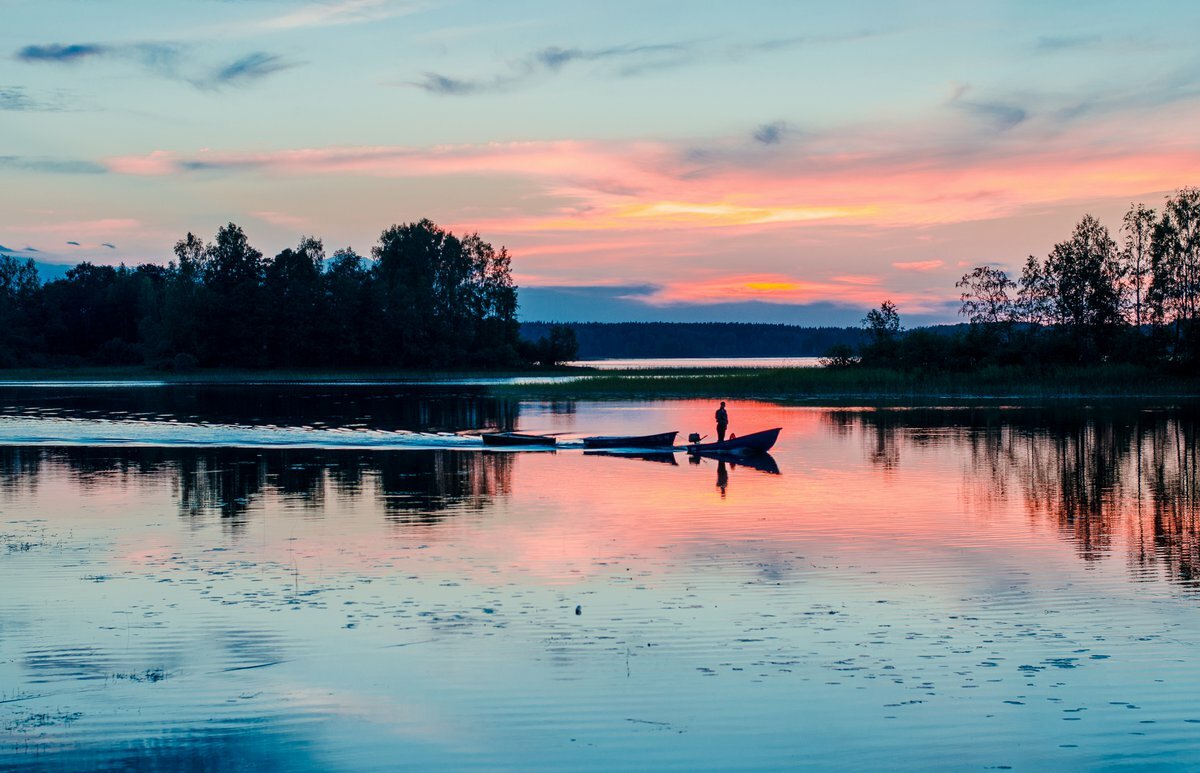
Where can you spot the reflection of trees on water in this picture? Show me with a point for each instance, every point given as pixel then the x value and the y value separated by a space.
pixel 411 486
pixel 401 407
pixel 1101 476
pixel 419 487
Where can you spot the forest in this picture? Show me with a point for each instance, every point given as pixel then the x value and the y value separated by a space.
pixel 1091 301
pixel 425 298
pixel 599 340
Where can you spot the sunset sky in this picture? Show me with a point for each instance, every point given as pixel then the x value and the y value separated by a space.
pixel 781 161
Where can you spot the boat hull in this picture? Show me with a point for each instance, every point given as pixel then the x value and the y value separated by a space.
pixel 754 443
pixel 517 439
pixel 661 440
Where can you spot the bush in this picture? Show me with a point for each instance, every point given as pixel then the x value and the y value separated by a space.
pixel 839 356
pixel 118 351
pixel 184 363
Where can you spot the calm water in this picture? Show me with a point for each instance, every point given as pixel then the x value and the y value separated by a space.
pixel 700 362
pixel 315 579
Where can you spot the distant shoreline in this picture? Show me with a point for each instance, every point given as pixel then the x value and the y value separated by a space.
pixel 995 383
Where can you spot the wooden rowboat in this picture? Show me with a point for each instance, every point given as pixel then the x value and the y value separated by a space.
pixel 517 439
pixel 754 443
pixel 661 440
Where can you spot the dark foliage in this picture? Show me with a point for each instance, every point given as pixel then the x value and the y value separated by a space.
pixel 1088 302
pixel 598 340
pixel 559 345
pixel 429 298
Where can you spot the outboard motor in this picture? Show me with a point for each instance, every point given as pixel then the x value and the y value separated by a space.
pixel 694 437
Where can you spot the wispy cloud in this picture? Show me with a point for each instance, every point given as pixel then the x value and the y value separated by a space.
pixel 631 59
pixel 792 42
pixel 916 173
pixel 770 133
pixel 442 84
pixel 919 265
pixel 776 288
pixel 165 59
pixel 1002 116
pixel 281 219
pixel 51 165
pixel 15 98
pixel 1052 44
pixel 337 12
pixel 623 60
pixel 56 52
pixel 248 69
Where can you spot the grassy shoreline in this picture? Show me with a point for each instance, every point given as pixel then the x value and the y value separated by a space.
pixel 1108 381
pixel 1116 381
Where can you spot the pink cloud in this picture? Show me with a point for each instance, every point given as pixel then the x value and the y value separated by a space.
pixel 656 186
pixel 919 265
pixel 154 163
pixel 780 288
pixel 280 218
pixel 84 229
pixel 718 219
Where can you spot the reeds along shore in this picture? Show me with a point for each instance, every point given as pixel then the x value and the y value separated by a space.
pixel 783 383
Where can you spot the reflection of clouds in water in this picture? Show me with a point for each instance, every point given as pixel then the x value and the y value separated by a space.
pixel 343 609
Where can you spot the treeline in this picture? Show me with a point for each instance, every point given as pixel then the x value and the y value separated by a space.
pixel 600 340
pixel 1091 300
pixel 427 299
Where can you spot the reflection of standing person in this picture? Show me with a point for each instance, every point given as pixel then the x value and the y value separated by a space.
pixel 722 422
pixel 722 477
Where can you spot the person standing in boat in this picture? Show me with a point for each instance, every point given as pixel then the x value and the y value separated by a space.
pixel 722 422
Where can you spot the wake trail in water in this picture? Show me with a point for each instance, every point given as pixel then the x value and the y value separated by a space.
pixel 116 432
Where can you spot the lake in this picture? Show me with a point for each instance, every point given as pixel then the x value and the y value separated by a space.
pixel 678 363
pixel 331 578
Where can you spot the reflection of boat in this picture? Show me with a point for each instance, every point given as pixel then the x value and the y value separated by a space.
pixel 662 457
pixel 516 439
pixel 661 440
pixel 763 462
pixel 754 443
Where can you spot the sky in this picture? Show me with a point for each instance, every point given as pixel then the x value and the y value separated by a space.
pixel 750 161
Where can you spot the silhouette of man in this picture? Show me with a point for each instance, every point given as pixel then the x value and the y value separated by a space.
pixel 722 422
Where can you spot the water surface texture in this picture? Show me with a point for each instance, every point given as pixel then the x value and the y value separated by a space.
pixel 936 588
pixel 635 363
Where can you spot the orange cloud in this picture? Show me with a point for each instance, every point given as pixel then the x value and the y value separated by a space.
pixel 919 265
pixel 650 186
pixel 778 288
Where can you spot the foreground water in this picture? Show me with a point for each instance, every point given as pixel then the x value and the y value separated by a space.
pixel 314 578
pixel 678 363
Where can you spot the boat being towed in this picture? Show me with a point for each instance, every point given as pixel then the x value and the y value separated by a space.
pixel 518 439
pixel 754 443
pixel 661 440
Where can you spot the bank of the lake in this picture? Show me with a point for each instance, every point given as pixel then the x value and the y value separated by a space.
pixel 875 383
pixel 708 382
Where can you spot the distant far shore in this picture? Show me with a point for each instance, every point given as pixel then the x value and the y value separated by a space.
pixel 1058 382
pixel 138 373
